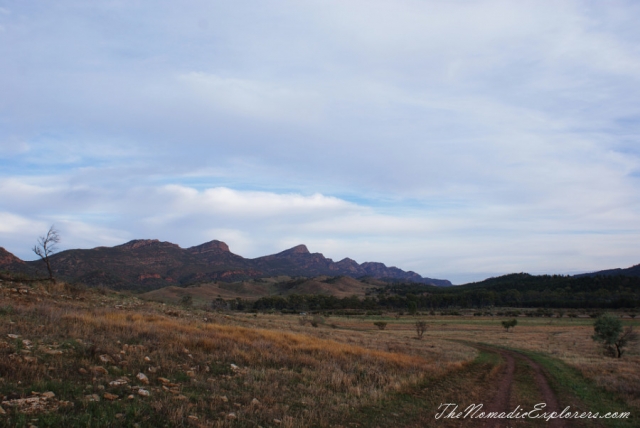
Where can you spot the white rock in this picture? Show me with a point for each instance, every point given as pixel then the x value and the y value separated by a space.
pixel 105 358
pixel 118 382
pixel 142 378
pixel 143 393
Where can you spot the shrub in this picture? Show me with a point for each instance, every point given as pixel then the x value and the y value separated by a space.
pixel 317 320
pixel 186 300
pixel 509 324
pixel 380 324
pixel 608 331
pixel 421 326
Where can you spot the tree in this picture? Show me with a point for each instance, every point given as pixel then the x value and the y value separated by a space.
pixel 413 307
pixel 380 324
pixel 421 327
pixel 509 324
pixel 608 331
pixel 46 246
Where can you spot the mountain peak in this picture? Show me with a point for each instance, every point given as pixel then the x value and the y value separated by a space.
pixel 298 249
pixel 139 243
pixel 6 258
pixel 214 246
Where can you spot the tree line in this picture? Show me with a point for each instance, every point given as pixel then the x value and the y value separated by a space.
pixel 517 290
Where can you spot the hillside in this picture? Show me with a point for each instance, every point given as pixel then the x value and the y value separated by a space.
pixel 631 271
pixel 151 264
pixel 338 287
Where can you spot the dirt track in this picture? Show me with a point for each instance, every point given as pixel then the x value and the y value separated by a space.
pixel 501 401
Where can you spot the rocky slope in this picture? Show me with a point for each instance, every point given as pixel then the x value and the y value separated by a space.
pixel 151 264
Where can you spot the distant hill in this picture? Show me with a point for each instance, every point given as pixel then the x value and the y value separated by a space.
pixel 147 264
pixel 339 287
pixel 631 271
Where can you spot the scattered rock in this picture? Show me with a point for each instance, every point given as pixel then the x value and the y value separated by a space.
pixel 277 421
pixel 110 397
pixel 180 397
pixel 191 373
pixel 164 380
pixel 255 402
pixel 83 371
pixel 26 342
pixel 105 358
pixel 193 417
pixel 118 382
pixel 234 367
pixel 224 398
pixel 37 404
pixel 48 394
pixel 31 359
pixel 232 416
pixel 119 415
pixel 147 359
pixel 143 393
pixel 52 352
pixel 92 397
pixel 130 397
pixel 143 378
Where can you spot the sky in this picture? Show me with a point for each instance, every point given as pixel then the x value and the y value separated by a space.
pixel 457 139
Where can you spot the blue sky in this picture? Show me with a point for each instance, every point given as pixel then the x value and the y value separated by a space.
pixel 458 139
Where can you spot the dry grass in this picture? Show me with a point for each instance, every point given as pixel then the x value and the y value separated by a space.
pixel 297 374
pixel 300 375
pixel 570 341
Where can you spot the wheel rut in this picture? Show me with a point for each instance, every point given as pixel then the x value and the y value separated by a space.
pixel 501 400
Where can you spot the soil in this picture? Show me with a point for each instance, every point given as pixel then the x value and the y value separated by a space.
pixel 500 402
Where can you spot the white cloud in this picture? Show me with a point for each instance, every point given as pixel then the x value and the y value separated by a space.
pixel 252 98
pixel 481 136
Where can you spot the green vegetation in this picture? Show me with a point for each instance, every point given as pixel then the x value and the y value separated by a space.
pixel 583 394
pixel 608 331
pixel 509 324
pixel 546 293
pixel 380 324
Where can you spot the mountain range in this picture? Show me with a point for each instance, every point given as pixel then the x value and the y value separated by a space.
pixel 149 264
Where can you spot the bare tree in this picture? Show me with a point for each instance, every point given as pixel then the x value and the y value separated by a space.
pixel 46 246
pixel 421 326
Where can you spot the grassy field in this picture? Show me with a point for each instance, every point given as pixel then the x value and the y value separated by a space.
pixel 72 357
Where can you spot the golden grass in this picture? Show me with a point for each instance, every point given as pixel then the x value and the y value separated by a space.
pixel 298 374
pixel 301 375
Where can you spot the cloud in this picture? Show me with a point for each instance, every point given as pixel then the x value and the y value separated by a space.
pixel 465 136
pixel 251 98
pixel 442 242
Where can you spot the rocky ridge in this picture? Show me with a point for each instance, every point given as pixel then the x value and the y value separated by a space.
pixel 149 264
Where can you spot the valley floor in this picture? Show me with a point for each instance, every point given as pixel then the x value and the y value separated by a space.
pixel 75 357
